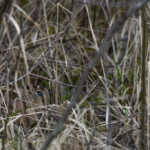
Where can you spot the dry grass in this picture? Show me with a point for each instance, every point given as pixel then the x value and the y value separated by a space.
pixel 51 44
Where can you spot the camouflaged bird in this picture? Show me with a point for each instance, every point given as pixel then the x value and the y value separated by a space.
pixel 29 100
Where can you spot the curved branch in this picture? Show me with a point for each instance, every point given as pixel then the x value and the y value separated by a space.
pixel 112 29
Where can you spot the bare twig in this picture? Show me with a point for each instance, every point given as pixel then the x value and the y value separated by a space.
pixel 4 7
pixel 122 3
pixel 61 83
pixel 112 29
pixel 49 49
pixel 143 93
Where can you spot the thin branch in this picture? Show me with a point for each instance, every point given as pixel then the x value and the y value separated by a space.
pixel 3 8
pixel 121 3
pixel 61 83
pixel 49 49
pixel 112 29
pixel 143 93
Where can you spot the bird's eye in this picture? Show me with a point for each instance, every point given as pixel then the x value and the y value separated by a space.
pixel 40 93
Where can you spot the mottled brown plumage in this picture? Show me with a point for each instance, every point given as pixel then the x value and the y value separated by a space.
pixel 28 100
